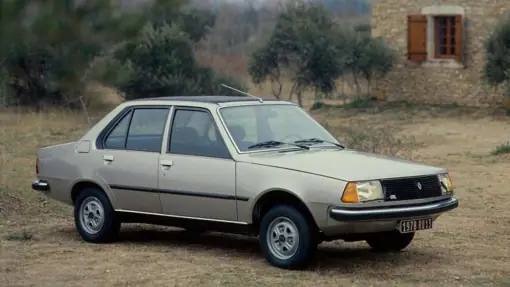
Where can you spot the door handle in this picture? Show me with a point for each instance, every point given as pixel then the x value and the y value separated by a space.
pixel 166 163
pixel 108 158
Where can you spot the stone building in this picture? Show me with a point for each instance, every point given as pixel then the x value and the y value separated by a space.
pixel 440 47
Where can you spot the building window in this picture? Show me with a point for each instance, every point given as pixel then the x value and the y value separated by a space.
pixel 445 36
pixel 433 37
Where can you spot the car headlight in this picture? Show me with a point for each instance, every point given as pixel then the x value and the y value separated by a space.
pixel 363 191
pixel 446 183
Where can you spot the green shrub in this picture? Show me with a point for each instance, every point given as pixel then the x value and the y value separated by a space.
pixel 502 149
pixel 163 63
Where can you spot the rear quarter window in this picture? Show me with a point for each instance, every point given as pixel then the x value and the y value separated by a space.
pixel 117 137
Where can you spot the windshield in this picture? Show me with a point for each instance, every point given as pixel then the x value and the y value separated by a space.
pixel 267 126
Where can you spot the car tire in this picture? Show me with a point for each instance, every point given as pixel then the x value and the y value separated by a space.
pixel 390 241
pixel 94 217
pixel 287 237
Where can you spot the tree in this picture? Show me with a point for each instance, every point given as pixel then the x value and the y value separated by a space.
pixel 61 45
pixel 310 48
pixel 195 22
pixel 364 56
pixel 264 66
pixel 497 68
pixel 162 63
pixel 48 46
pixel 302 44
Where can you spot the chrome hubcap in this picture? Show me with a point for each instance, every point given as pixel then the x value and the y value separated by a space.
pixel 91 215
pixel 282 238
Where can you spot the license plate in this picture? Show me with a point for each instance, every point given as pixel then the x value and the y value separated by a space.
pixel 407 226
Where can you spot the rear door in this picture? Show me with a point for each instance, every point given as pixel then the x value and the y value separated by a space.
pixel 197 173
pixel 129 158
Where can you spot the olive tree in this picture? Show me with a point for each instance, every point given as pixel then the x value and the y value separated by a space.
pixel 365 57
pixel 497 69
pixel 302 46
pixel 310 48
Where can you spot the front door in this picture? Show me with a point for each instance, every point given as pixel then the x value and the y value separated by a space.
pixel 197 174
pixel 129 159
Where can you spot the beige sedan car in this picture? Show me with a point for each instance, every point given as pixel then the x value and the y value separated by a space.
pixel 239 164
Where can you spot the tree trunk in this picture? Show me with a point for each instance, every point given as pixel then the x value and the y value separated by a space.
pixel 358 87
pixel 292 90
pixel 85 110
pixel 300 97
pixel 279 87
pixel 369 87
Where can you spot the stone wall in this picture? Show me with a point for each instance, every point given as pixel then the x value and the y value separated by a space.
pixel 439 82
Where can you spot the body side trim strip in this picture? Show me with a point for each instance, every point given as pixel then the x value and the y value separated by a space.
pixel 181 217
pixel 177 192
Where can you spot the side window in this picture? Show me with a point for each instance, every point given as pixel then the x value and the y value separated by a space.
pixel 146 130
pixel 194 133
pixel 117 137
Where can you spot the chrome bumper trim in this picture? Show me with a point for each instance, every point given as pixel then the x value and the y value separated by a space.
pixel 40 185
pixel 352 214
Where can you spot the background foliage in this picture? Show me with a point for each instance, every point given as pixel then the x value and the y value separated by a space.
pixel 52 50
pixel 314 51
pixel 497 70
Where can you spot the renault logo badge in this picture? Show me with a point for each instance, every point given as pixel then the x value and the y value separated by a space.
pixel 419 186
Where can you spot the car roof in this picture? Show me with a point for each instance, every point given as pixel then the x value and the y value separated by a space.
pixel 205 99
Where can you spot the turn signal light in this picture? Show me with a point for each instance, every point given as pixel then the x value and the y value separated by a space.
pixel 350 193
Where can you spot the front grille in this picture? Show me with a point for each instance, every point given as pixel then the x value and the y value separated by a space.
pixel 409 188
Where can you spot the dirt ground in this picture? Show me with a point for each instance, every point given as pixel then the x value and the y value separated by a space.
pixel 467 247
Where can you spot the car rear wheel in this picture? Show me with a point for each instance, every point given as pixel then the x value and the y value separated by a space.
pixel 94 217
pixel 390 241
pixel 287 237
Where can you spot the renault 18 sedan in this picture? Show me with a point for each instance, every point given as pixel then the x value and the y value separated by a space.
pixel 243 165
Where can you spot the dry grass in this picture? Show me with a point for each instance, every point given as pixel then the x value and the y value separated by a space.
pixel 468 247
pixel 22 132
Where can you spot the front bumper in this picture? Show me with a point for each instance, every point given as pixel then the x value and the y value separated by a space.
pixel 40 185
pixel 394 212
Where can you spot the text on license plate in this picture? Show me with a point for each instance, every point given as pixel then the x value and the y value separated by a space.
pixel 407 226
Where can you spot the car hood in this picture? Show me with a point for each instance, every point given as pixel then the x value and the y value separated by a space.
pixel 348 165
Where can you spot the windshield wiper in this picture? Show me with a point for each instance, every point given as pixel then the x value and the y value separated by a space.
pixel 317 141
pixel 275 144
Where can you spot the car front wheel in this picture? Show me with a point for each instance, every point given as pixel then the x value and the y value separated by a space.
pixel 94 217
pixel 390 241
pixel 287 237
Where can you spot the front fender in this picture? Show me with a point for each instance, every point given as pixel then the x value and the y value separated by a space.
pixel 316 192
